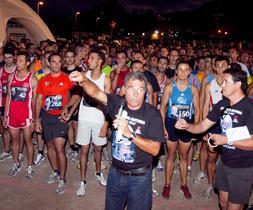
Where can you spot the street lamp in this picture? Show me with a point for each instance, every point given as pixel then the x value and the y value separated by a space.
pixel 40 3
pixel 77 13
pixel 97 19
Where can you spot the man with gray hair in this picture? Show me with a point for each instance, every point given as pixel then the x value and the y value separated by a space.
pixel 137 136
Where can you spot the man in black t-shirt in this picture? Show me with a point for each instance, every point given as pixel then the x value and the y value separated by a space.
pixel 137 137
pixel 234 175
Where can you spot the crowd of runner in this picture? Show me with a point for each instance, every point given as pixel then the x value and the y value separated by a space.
pixel 41 107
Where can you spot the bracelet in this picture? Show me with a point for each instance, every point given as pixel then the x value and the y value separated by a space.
pixel 211 143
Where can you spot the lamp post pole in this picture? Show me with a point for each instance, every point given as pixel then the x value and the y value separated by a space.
pixel 40 3
pixel 76 15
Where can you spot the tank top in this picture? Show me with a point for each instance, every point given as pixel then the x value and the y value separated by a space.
pixel 4 85
pixel 215 93
pixel 160 93
pixel 90 110
pixel 21 97
pixel 180 103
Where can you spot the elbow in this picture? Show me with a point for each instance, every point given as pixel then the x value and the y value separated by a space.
pixel 156 149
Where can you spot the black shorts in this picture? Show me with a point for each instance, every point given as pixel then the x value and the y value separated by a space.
pixel 175 134
pixel 2 111
pixel 236 181
pixel 52 127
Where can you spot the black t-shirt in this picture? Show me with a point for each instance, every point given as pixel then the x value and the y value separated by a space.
pixel 240 114
pixel 146 122
pixel 170 72
pixel 69 71
pixel 153 81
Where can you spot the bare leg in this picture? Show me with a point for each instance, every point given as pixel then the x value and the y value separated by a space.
pixel 97 157
pixel 27 136
pixel 52 155
pixel 84 160
pixel 15 136
pixel 59 146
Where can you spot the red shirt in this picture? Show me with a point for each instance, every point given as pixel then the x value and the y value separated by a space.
pixel 54 91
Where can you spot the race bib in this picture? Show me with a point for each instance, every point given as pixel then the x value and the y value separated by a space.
pixel 5 89
pixel 53 103
pixel 181 111
pixel 19 93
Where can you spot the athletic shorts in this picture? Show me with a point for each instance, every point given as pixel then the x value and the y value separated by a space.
pixel 52 127
pixel 18 123
pixel 236 181
pixel 89 131
pixel 175 134
pixel 2 111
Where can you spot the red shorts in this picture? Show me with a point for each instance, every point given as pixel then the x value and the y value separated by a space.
pixel 19 123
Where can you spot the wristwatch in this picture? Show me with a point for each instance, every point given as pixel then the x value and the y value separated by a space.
pixel 133 136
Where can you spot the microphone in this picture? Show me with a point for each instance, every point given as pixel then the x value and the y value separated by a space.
pixel 121 113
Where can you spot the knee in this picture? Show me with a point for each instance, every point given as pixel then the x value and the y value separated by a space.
pixel 223 202
pixel 98 149
pixel 171 156
pixel 84 150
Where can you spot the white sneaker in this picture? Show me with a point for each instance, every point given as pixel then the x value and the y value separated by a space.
pixel 159 166
pixel 100 179
pixel 81 191
pixel 201 177
pixel 53 177
pixel 30 172
pixel 15 169
pixel 208 192
pixel 21 157
pixel 74 156
pixel 39 158
pixel 60 187
pixel 5 156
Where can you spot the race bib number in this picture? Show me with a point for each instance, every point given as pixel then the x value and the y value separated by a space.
pixel 53 103
pixel 5 89
pixel 19 93
pixel 181 111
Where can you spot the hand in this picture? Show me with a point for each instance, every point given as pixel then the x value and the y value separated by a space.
pixel 218 139
pixel 77 76
pixel 166 135
pixel 38 127
pixel 181 124
pixel 103 130
pixel 122 124
pixel 5 122
pixel 65 116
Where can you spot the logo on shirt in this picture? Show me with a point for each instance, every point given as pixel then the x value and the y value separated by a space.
pixel 61 84
pixel 235 120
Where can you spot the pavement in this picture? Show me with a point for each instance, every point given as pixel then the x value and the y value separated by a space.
pixel 19 193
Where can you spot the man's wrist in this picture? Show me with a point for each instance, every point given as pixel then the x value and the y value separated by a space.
pixel 133 136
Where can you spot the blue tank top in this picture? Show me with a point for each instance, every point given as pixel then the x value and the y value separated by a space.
pixel 210 77
pixel 180 103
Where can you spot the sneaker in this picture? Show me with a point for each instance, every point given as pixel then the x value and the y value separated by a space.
pixel 30 172
pixel 100 179
pixel 5 156
pixel 81 191
pixel 39 158
pixel 69 153
pixel 60 187
pixel 201 177
pixel 207 193
pixel 154 193
pixel 196 156
pixel 189 172
pixel 15 169
pixel 74 156
pixel 103 166
pixel 21 157
pixel 166 191
pixel 185 190
pixel 176 168
pixel 159 166
pixel 53 177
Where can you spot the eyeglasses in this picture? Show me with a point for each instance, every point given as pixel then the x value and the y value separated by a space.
pixel 138 90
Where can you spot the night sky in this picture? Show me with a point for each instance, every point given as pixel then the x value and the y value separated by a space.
pixel 68 6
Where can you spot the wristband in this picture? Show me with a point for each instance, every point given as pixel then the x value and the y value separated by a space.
pixel 211 143
pixel 132 137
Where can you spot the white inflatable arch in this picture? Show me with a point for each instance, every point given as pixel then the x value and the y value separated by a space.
pixel 18 11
